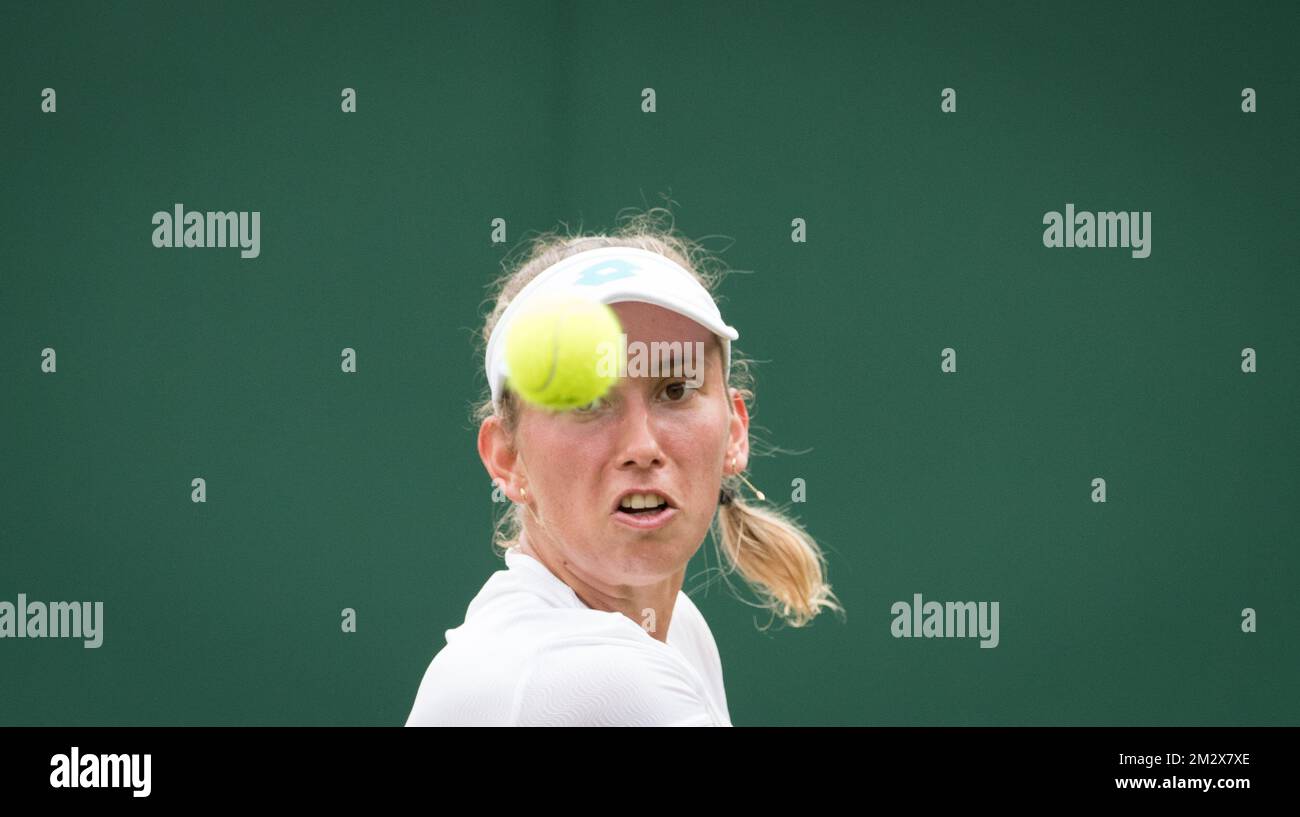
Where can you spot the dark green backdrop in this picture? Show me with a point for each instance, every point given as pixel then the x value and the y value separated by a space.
pixel 328 490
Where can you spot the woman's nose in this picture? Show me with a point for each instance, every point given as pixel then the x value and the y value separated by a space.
pixel 639 439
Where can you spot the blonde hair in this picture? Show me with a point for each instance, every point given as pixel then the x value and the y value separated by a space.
pixel 777 558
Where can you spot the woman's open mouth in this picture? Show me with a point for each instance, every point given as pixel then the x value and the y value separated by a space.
pixel 645 518
pixel 645 509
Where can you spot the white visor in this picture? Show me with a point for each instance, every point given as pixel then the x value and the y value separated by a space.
pixel 610 275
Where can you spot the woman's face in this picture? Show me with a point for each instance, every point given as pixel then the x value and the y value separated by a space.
pixel 653 433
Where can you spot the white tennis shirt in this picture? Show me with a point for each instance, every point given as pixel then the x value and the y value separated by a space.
pixel 531 653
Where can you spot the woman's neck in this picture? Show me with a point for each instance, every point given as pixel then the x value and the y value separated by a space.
pixel 649 606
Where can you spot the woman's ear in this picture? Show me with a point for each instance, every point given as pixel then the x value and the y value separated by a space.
pixel 499 458
pixel 738 433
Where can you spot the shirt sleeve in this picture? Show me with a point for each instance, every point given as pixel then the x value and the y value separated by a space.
pixel 606 682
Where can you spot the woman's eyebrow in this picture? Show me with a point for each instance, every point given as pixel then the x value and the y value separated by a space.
pixel 670 369
pixel 664 365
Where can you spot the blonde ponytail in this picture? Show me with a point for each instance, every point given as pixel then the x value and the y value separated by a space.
pixel 777 558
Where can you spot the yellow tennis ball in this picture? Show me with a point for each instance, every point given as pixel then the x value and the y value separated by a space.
pixel 564 352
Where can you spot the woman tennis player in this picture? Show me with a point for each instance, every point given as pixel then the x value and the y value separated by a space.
pixel 587 624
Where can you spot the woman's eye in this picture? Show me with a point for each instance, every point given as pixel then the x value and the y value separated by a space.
pixel 590 407
pixel 680 391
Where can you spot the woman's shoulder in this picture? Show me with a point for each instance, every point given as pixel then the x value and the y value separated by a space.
pixel 616 679
pixel 509 629
pixel 530 653
pixel 583 670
